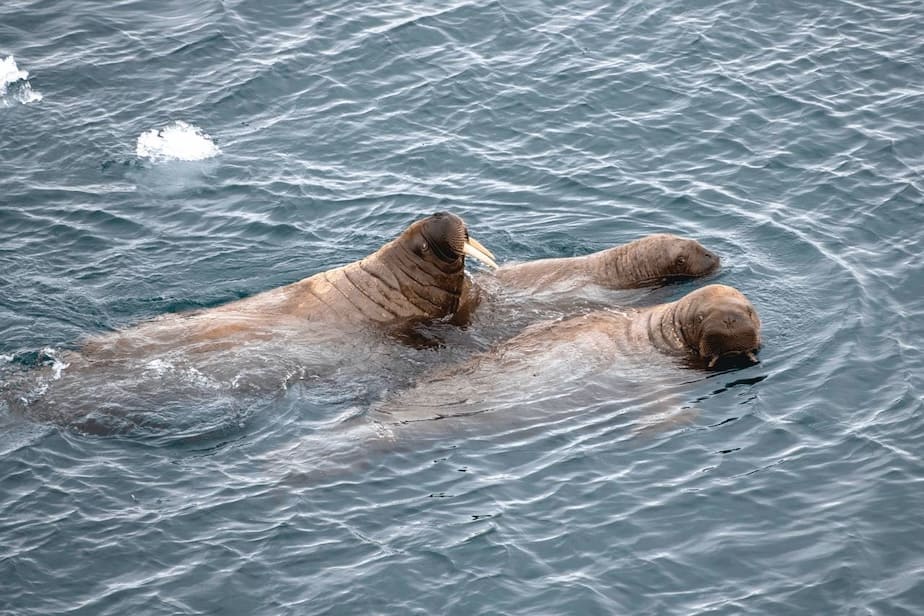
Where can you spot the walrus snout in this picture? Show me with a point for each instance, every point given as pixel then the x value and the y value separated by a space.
pixel 446 236
pixel 730 332
pixel 709 261
pixel 739 343
pixel 443 234
pixel 694 260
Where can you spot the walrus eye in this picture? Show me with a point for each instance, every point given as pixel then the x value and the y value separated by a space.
pixel 699 318
pixel 681 260
pixel 424 247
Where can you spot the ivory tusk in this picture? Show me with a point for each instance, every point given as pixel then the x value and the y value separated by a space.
pixel 475 250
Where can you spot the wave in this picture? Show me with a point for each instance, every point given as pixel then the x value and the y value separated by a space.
pixel 14 85
pixel 176 141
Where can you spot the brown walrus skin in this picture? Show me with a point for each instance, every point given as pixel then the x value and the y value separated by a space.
pixel 711 327
pixel 310 328
pixel 648 261
pixel 416 277
pixel 707 326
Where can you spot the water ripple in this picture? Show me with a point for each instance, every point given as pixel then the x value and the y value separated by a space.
pixel 787 138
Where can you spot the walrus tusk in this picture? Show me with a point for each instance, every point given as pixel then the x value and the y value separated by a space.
pixel 475 250
pixel 752 357
pixel 713 361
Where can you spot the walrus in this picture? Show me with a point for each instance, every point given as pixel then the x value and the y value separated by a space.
pixel 418 276
pixel 713 327
pixel 327 324
pixel 520 293
pixel 648 261
pixel 620 374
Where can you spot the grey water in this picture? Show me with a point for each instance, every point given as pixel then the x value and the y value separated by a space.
pixel 160 157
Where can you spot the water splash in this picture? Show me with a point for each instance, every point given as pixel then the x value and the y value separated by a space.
pixel 57 364
pixel 177 141
pixel 14 86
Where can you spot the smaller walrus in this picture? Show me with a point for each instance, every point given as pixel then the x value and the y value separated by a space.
pixel 557 360
pixel 418 276
pixel 648 261
pixel 708 325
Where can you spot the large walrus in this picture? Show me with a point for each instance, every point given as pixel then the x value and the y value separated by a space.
pixel 711 327
pixel 417 277
pixel 648 261
pixel 319 326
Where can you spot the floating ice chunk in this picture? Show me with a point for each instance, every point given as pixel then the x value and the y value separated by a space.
pixel 10 73
pixel 13 84
pixel 177 141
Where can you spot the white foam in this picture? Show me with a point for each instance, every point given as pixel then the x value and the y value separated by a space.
pixel 159 366
pixel 188 374
pixel 194 376
pixel 13 82
pixel 177 141
pixel 57 365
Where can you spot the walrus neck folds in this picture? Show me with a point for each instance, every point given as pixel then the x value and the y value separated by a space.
pixel 627 266
pixel 607 265
pixel 668 330
pixel 686 325
pixel 433 285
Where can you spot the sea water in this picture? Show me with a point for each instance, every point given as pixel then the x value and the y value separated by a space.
pixel 163 157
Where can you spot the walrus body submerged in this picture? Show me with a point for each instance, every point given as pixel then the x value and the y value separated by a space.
pixel 334 321
pixel 710 327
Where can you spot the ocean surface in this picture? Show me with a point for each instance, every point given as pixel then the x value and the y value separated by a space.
pixel 161 157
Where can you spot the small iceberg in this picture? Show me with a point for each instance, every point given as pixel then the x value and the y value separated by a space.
pixel 177 141
pixel 14 86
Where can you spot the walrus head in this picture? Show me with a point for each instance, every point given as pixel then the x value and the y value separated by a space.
pixel 445 237
pixel 669 257
pixel 420 275
pixel 719 324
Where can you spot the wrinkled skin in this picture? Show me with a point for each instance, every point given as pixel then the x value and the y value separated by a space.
pixel 327 324
pixel 710 327
pixel 417 277
pixel 648 261
pixel 593 368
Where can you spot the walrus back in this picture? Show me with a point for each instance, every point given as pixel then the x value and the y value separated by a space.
pixel 648 261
